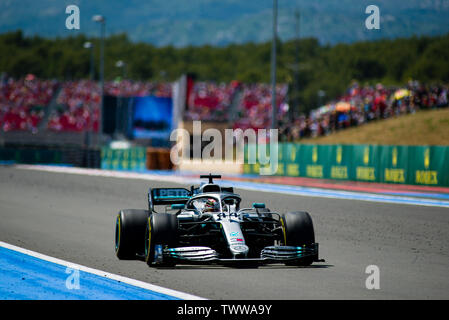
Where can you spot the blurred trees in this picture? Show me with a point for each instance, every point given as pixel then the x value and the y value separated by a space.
pixel 321 67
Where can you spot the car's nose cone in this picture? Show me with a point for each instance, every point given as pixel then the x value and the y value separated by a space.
pixel 239 249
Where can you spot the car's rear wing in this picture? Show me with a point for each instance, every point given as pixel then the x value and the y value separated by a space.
pixel 195 191
pixel 167 196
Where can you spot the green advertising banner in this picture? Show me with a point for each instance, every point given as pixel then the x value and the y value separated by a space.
pixel 393 162
pixel 365 163
pixel 311 161
pixel 31 156
pixel 132 159
pixel 253 153
pixel 339 163
pixel 428 165
pixel 290 158
pixel 249 166
pixel 281 169
pixel 420 165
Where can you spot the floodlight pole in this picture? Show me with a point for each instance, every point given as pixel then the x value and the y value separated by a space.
pixel 273 68
pixel 90 46
pixel 102 21
pixel 119 101
pixel 88 135
pixel 100 120
pixel 296 94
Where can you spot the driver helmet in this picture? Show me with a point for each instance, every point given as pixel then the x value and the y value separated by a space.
pixel 210 205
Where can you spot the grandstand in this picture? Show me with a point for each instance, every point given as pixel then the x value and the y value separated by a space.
pixel 40 107
pixel 76 103
pixel 70 106
pixel 23 102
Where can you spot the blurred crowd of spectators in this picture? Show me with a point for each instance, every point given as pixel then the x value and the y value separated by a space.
pixel 213 102
pixel 360 105
pixel 209 101
pixel 79 101
pixel 22 102
pixel 128 88
pixel 254 110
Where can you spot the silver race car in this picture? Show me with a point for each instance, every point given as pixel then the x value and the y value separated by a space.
pixel 206 225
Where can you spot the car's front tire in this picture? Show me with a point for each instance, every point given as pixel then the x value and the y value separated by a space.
pixel 298 231
pixel 130 232
pixel 161 228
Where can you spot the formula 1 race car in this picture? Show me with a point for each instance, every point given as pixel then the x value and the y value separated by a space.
pixel 206 225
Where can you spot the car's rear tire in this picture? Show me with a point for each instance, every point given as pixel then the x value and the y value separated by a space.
pixel 298 231
pixel 130 232
pixel 161 228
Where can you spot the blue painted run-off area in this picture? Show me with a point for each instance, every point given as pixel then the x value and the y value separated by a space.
pixel 24 277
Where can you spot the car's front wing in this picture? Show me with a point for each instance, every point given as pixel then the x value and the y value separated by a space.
pixel 206 255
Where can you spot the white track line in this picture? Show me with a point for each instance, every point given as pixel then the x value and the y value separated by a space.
pixel 107 173
pixel 112 174
pixel 133 282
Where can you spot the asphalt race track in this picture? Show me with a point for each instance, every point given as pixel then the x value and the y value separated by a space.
pixel 72 217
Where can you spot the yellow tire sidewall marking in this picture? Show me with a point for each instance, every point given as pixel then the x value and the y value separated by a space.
pixel 283 231
pixel 149 240
pixel 119 232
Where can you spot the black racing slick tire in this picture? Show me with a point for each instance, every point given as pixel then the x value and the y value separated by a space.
pixel 161 229
pixel 130 228
pixel 298 231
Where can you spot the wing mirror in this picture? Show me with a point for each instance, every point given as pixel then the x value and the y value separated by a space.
pixel 258 205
